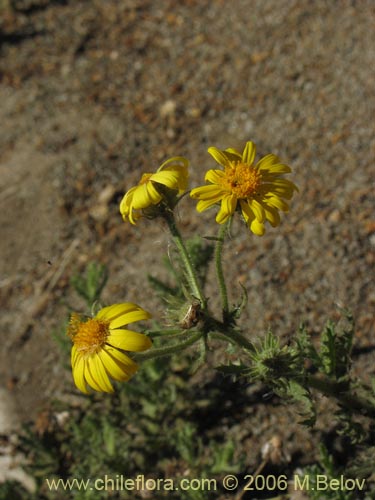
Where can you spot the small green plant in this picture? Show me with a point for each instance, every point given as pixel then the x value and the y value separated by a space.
pixel 147 427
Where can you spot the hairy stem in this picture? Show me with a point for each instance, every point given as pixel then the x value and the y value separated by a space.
pixel 219 269
pixel 169 349
pixel 190 271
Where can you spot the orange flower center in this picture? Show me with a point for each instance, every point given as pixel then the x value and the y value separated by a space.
pixel 89 336
pixel 241 179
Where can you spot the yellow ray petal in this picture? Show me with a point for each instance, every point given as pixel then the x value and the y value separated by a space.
pixel 278 168
pixel 99 374
pixel 247 212
pixel 267 161
pixel 277 202
pixel 74 355
pixel 173 162
pixel 214 176
pixel 115 310
pixel 210 192
pixel 129 317
pixel 169 178
pixel 272 215
pixel 143 197
pixel 129 340
pixel 228 206
pixel 90 379
pixel 257 227
pixel 78 375
pixel 122 358
pixel 257 209
pixel 218 155
pixel 248 154
pixel 115 369
pixel 232 154
pixel 205 204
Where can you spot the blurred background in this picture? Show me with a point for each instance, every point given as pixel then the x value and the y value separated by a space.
pixel 93 93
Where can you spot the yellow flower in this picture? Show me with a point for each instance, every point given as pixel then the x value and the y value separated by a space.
pixel 98 346
pixel 171 178
pixel 259 190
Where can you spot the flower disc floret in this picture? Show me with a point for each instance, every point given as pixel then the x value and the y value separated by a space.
pixel 169 180
pixel 257 190
pixel 100 345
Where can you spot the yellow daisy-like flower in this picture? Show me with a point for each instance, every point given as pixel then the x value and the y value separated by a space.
pixel 99 344
pixel 259 190
pixel 171 178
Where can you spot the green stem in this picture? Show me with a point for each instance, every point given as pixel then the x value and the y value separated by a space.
pixel 229 334
pixel 334 389
pixel 168 350
pixel 219 269
pixel 191 274
pixel 239 339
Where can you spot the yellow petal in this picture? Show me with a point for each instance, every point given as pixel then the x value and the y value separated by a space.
pixel 145 196
pixel 214 176
pixel 267 161
pixel 232 154
pixel 218 155
pixel 99 374
pixel 247 212
pixel 205 204
pixel 154 195
pixel 210 192
pixel 277 202
pixel 257 227
pixel 115 369
pixel 278 168
pixel 274 188
pixel 272 215
pixel 130 365
pixel 257 209
pixel 129 317
pixel 112 312
pixel 90 379
pixel 248 154
pixel 228 206
pixel 74 355
pixel 167 178
pixel 128 340
pixel 173 162
pixel 78 374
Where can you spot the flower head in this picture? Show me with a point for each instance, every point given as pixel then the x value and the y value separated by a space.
pixel 170 179
pixel 258 190
pixel 99 344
